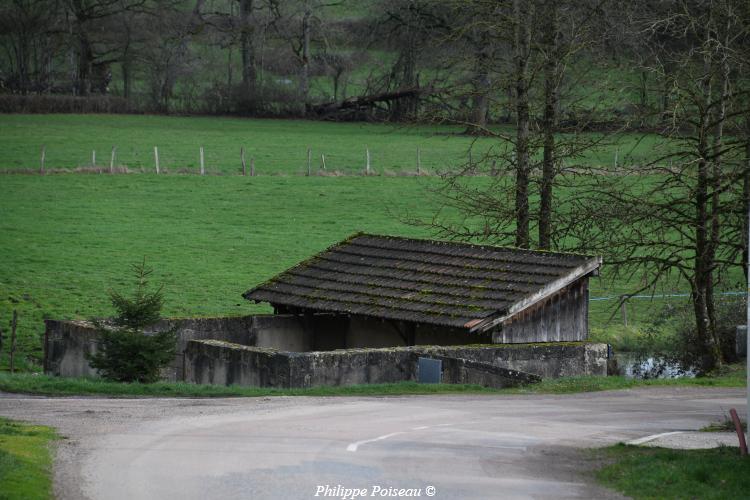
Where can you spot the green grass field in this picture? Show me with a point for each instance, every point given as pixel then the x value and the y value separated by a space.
pixel 25 461
pixel 67 239
pixel 278 146
pixel 651 473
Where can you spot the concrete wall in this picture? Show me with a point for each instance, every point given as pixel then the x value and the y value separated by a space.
pixel 465 371
pixel 68 342
pixel 211 362
pixel 371 332
pixel 550 360
pixel 562 317
pixel 224 363
pixel 287 333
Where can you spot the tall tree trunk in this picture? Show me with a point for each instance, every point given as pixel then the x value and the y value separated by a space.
pixel 481 86
pixel 643 90
pixel 229 67
pixel 522 41
pixel 665 92
pixel 716 207
pixel 22 61
pixel 480 105
pixel 405 75
pixel 126 66
pixel 305 72
pixel 702 270
pixel 336 79
pixel 247 49
pixel 551 79
pixel 509 107
pixel 126 77
pixel 85 64
pixel 702 286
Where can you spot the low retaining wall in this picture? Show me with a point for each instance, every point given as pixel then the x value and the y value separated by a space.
pixel 465 371
pixel 547 360
pixel 225 363
pixel 68 342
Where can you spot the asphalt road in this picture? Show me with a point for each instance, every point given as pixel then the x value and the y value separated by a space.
pixel 453 446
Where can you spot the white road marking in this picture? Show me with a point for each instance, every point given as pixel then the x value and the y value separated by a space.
pixel 652 437
pixel 354 446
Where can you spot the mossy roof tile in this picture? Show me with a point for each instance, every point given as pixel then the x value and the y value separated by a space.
pixel 423 281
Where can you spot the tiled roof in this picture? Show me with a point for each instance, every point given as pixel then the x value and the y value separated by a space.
pixel 423 281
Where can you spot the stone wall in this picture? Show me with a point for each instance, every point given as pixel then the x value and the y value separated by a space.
pixel 224 363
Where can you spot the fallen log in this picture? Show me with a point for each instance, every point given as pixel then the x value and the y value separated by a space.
pixel 368 101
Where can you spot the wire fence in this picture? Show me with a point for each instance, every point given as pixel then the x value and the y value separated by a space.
pixel 624 298
pixel 656 296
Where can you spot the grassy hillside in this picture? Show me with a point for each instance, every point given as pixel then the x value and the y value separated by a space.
pixel 278 146
pixel 67 239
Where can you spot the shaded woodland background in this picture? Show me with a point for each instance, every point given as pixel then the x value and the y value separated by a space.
pixel 399 60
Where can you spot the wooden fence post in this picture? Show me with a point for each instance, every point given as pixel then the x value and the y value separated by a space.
pixel 624 311
pixel 242 156
pixel 309 161
pixel 252 166
pixel 203 165
pixel 41 161
pixel 419 161
pixel 112 160
pixel 367 164
pixel 93 158
pixel 13 325
pixel 617 150
pixel 156 159
pixel 323 161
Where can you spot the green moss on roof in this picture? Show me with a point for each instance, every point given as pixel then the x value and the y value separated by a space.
pixel 413 278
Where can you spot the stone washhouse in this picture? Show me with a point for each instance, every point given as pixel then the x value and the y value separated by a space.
pixel 368 308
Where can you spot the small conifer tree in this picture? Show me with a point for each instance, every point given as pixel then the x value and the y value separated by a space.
pixel 125 353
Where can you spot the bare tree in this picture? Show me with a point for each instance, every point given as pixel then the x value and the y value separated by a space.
pixel 540 154
pixel 522 18
pixel 679 217
pixel 28 31
pixel 85 16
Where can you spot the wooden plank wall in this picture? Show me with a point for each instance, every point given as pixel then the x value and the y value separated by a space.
pixel 562 317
